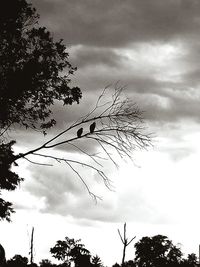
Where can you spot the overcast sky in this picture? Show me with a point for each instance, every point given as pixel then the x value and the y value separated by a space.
pixel 152 47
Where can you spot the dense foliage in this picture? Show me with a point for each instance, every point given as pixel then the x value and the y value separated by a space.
pixel 156 251
pixel 34 73
pixel 71 250
pixel 9 180
pixel 31 69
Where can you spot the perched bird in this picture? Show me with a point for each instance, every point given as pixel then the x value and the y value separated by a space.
pixel 92 127
pixel 79 132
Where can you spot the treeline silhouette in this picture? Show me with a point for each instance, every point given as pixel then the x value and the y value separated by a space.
pixel 35 73
pixel 156 251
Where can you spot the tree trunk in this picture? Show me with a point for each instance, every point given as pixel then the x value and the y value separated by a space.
pixel 124 254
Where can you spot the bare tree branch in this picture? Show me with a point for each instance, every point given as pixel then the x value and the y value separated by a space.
pixel 95 197
pixel 38 163
pixel 125 243
pixel 115 126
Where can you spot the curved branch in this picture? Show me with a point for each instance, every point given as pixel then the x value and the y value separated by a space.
pixel 118 125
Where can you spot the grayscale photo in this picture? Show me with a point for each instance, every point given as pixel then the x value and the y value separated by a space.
pixel 99 133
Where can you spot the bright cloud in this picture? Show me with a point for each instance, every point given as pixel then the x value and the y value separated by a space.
pixel 152 47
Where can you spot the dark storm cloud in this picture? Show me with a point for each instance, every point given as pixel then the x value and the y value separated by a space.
pixel 115 40
pixel 84 56
pixel 117 23
pixel 191 76
pixel 94 28
pixel 161 100
pixel 170 107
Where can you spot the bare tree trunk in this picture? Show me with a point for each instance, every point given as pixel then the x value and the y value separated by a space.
pixel 124 254
pixel 125 243
pixel 31 252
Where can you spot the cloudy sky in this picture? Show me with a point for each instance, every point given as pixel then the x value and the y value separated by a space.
pixel 152 47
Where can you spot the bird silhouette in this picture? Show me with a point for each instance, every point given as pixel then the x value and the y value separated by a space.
pixel 79 132
pixel 92 127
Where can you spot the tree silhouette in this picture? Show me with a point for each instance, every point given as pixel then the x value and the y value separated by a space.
pixel 125 243
pixel 31 81
pixel 8 179
pixel 2 256
pixel 71 250
pixel 116 265
pixel 17 261
pixel 32 64
pixel 130 263
pixel 96 261
pixel 156 251
pixel 46 263
pixel 191 261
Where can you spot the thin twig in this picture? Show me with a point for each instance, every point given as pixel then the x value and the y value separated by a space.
pixel 119 126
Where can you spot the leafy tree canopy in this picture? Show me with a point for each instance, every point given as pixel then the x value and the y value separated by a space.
pixel 96 261
pixel 34 73
pixel 46 263
pixel 9 180
pixel 70 250
pixel 156 251
pixel 34 70
pixel 18 261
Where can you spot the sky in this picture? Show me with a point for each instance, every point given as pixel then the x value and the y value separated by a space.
pixel 152 49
